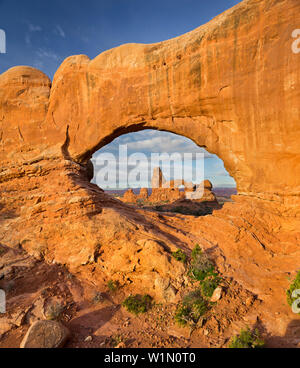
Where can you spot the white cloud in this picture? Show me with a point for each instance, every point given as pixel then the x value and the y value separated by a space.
pixel 42 53
pixel 153 141
pixel 31 29
pixel 59 31
pixel 166 144
pixel 34 28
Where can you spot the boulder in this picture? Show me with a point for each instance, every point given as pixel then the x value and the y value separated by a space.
pixel 45 334
pixel 217 294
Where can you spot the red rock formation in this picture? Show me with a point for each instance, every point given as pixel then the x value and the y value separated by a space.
pixel 168 191
pixel 160 195
pixel 129 196
pixel 231 86
pixel 143 194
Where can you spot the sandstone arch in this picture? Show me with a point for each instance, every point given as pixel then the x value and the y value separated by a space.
pixel 232 86
pixel 212 85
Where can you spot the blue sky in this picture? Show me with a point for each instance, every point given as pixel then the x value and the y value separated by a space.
pixel 43 33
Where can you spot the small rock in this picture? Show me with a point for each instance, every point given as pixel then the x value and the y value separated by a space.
pixel 19 317
pixel 249 301
pixel 205 332
pixel 217 295
pixel 179 333
pixel 45 334
pixel 88 339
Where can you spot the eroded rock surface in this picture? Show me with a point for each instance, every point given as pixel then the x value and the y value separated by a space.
pixel 231 86
pixel 45 335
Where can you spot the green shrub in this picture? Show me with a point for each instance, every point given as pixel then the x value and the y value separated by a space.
pixel 196 251
pixel 117 339
pixel 192 307
pixel 294 286
pixel 208 286
pixel 113 285
pixel 180 256
pixel 54 311
pixel 247 339
pixel 201 267
pixel 137 304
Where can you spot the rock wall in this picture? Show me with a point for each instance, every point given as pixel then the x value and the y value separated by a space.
pixel 232 86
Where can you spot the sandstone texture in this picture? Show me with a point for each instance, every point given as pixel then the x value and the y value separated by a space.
pixel 129 196
pixel 232 86
pixel 45 335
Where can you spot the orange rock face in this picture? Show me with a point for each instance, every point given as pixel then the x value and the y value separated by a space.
pixel 129 196
pixel 231 86
pixel 143 194
pixel 159 195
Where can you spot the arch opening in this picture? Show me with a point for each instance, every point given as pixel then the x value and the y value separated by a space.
pixel 162 171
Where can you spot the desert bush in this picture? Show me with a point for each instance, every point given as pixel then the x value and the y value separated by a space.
pixel 180 256
pixel 192 307
pixel 54 311
pixel 137 304
pixel 209 285
pixel 117 339
pixel 98 298
pixel 113 285
pixel 201 267
pixel 246 339
pixel 294 286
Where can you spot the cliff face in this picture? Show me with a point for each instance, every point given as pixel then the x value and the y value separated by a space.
pixel 232 86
